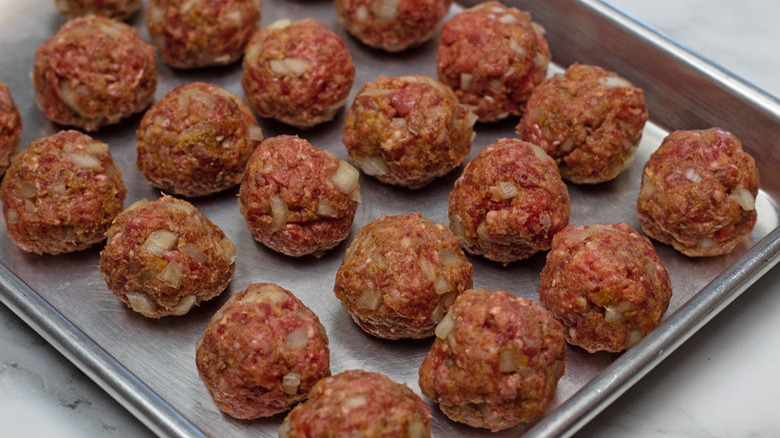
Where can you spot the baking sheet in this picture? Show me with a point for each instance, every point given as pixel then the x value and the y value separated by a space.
pixel 90 326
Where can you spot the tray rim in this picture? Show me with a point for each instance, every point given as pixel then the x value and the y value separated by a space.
pixel 164 420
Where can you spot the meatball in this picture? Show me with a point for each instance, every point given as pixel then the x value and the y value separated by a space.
pixel 201 33
pixel 94 72
pixel 358 403
pixel 392 25
pixel 496 360
pixel 493 56
pixel 606 285
pixel 298 199
pixel 298 72
pixel 116 9
pixel 10 127
pixel 509 202
pixel 61 193
pixel 407 130
pixel 197 140
pixel 698 192
pixel 589 120
pixel 165 257
pixel 262 352
pixel 400 275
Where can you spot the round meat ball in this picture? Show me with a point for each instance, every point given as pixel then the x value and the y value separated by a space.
pixel 165 257
pixel 94 72
pixel 698 192
pixel 606 285
pixel 10 127
pixel 358 403
pixel 262 352
pixel 407 130
pixel 493 56
pixel 392 25
pixel 299 73
pixel 298 199
pixel 116 9
pixel 61 193
pixel 589 120
pixel 201 33
pixel 400 275
pixel 197 140
pixel 496 360
pixel 509 202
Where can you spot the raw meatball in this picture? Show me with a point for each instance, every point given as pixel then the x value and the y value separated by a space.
pixel 606 285
pixel 94 72
pixel 165 257
pixel 392 25
pixel 298 72
pixel 116 9
pixel 407 130
pixel 357 403
pixel 201 33
pixel 589 120
pixel 197 140
pixel 698 192
pixel 61 193
pixel 400 275
pixel 262 352
pixel 496 360
pixel 493 57
pixel 298 199
pixel 509 202
pixel 10 127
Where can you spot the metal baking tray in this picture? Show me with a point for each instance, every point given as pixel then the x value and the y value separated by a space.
pixel 148 365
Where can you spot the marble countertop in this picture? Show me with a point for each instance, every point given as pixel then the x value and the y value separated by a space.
pixel 720 383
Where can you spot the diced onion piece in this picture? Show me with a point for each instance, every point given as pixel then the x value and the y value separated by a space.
pixel 355 195
pixel 184 305
pixel 471 117
pixel 278 211
pixel 482 231
pixel 416 429
pixel 612 314
pixel 325 209
pixel 96 148
pixel 706 243
pixel 29 206
pixel 59 188
pixel 346 178
pixel 284 429
pixel 508 361
pixel 370 299
pixel 355 401
pixel 428 269
pixel 192 250
pixel 186 6
pixel 507 19
pixel 507 189
pixel 266 293
pixel 541 154
pixel 254 133
pixel 171 275
pixel 567 145
pixel 195 94
pixel 11 216
pixel 70 234
pixel 495 86
pixel 442 285
pixel 449 257
pixel 252 51
pixel 279 24
pixel 538 28
pixel 385 10
pixel 290 383
pixel 633 337
pixel 361 13
pixel 691 175
pixel 379 260
pixel 541 61
pixel 446 326
pixel 297 339
pixel 227 251
pixel 141 303
pixel 235 16
pixel 498 9
pixel 185 207
pixel 744 198
pixel 70 97
pixel 437 314
pixel 84 161
pixel 26 190
pixel 614 82
pixel 466 80
pixel 374 165
pixel 289 66
pixel 113 28
pixel 160 241
pixel 517 48
pixel 647 188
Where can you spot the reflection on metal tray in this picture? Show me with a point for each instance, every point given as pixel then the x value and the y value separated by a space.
pixel 149 366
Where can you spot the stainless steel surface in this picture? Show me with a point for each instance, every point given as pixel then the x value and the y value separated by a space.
pixel 136 359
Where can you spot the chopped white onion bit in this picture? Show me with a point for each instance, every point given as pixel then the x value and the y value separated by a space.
pixel 346 178
pixel 279 24
pixel 355 401
pixel 297 339
pixel 184 305
pixel 466 79
pixel 227 251
pixel 26 190
pixel 361 13
pixel 185 207
pixel 647 189
pixel 59 188
pixel 541 61
pixel 192 250
pixel 370 299
pixel 29 206
pixel 84 161
pixel 611 314
pixel 11 216
pixel 141 303
pixel 325 209
pixel 449 257
pixel 508 361
pixel 445 327
pixel 160 241
pixel 541 154
pixel 538 28
pixel 252 51
pixel 428 269
pixel 614 82
pixel 267 293
pixel 416 429
pixel 691 175
pixel 706 243
pixel 96 147
pixel 278 211
pixel 289 66
pixel 254 133
pixel 507 19
pixel 290 383
pixel 437 314
pixel 442 285
pixel 375 165
pixel 385 10
pixel 507 189
pixel 633 337
pixel 284 429
pixel 171 275
pixel 379 260
pixel 744 198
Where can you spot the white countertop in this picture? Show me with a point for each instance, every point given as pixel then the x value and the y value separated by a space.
pixel 720 383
